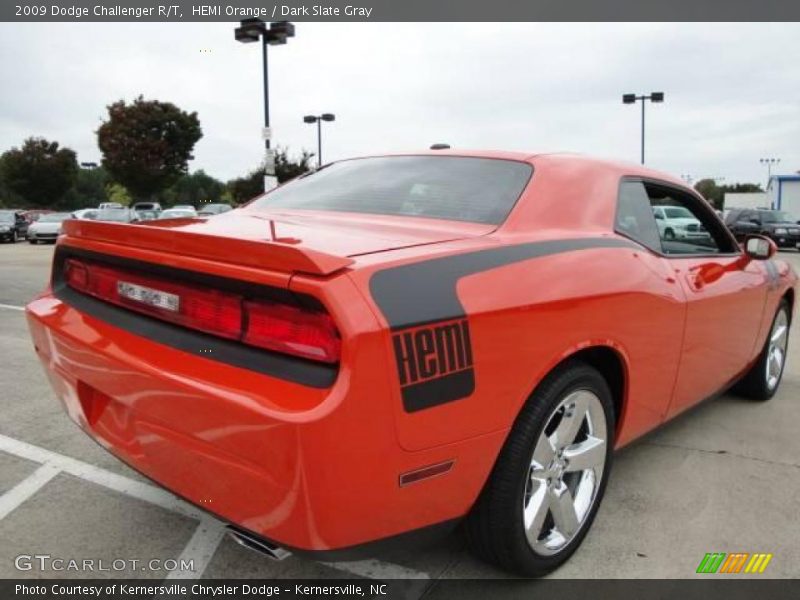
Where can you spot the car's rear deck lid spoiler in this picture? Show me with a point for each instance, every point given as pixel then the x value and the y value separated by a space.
pixel 286 256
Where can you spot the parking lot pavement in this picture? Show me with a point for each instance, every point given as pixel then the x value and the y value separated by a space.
pixel 723 477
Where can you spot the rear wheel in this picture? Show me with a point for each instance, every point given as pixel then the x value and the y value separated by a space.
pixel 549 479
pixel 762 380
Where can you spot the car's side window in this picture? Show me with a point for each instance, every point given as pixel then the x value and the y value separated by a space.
pixel 689 225
pixel 635 218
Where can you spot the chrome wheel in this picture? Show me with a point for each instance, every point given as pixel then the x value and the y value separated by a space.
pixel 776 350
pixel 565 473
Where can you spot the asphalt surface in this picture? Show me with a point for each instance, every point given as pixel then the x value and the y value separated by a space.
pixel 724 477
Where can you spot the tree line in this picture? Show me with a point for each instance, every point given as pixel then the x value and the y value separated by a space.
pixel 146 146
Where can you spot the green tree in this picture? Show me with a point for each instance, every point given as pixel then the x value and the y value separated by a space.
pixel 116 192
pixel 40 173
pixel 251 185
pixel 196 188
pixel 715 194
pixel 89 189
pixel 147 144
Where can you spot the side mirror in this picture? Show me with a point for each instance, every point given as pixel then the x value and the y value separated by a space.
pixel 759 247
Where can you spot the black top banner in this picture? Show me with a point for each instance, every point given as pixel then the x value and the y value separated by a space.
pixel 402 10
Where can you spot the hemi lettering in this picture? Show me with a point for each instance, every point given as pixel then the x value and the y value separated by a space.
pixel 432 351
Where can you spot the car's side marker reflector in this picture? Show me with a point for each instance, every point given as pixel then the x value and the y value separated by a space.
pixel 426 472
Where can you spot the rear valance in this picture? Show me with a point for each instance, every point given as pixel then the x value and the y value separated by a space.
pixel 268 254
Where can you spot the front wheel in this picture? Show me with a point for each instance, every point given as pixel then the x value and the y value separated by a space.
pixel 549 478
pixel 762 380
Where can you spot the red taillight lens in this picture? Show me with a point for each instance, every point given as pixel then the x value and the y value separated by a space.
pixel 298 331
pixel 280 327
pixel 210 311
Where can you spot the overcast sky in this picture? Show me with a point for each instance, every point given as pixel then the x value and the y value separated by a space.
pixel 732 90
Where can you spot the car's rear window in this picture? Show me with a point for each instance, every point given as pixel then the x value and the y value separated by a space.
pixel 481 190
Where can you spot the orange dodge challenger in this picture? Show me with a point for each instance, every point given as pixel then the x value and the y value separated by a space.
pixel 390 345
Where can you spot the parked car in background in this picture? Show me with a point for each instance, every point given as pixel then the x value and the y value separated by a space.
pixel 780 226
pixel 13 226
pixel 148 206
pixel 33 215
pixel 208 210
pixel 116 215
pixel 415 341
pixel 140 215
pixel 108 205
pixel 677 223
pixel 177 213
pixel 47 228
pixel 85 213
pixel 185 207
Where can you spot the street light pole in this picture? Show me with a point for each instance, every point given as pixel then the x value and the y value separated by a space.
pixel 633 98
pixel 266 98
pixel 254 30
pixel 769 162
pixel 318 119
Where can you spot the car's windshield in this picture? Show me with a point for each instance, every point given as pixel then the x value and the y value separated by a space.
pixel 6 217
pixel 54 218
pixel 480 190
pixel 777 216
pixel 678 212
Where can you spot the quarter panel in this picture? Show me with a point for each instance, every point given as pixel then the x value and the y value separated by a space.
pixel 526 316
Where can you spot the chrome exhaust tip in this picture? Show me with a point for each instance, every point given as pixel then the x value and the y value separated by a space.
pixel 256 544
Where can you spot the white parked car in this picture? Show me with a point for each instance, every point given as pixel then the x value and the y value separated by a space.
pixel 178 213
pixel 184 207
pixel 47 228
pixel 107 205
pixel 678 223
pixel 85 213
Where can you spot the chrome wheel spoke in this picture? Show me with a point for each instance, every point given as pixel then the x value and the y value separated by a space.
pixel 536 510
pixel 574 413
pixel 588 454
pixel 543 453
pixel 778 334
pixel 562 507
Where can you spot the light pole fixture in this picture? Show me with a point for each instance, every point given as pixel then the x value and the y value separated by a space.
pixel 632 98
pixel 769 162
pixel 253 30
pixel 318 119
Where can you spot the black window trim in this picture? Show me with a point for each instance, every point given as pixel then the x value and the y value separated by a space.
pixel 692 193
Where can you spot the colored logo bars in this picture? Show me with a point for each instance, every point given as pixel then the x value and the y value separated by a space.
pixel 737 562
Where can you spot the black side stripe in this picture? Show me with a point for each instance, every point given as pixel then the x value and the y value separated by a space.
pixel 430 328
pixel 425 292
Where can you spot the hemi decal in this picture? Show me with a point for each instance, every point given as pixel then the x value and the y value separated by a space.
pixel 430 329
pixel 433 362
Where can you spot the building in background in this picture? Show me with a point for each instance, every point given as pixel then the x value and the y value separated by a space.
pixel 783 193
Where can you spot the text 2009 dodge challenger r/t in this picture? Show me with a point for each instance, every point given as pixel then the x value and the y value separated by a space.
pixel 390 345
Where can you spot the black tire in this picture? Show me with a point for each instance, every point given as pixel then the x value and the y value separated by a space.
pixel 669 234
pixel 754 384
pixel 494 528
pixel 33 241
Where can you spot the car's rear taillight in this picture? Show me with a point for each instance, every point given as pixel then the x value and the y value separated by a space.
pixel 285 328
pixel 295 330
